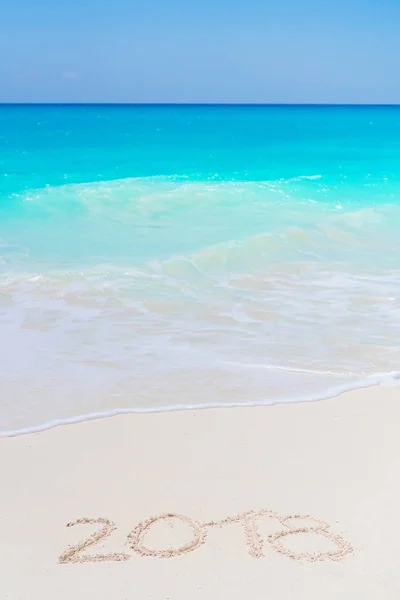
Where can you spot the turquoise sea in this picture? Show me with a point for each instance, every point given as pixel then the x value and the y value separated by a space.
pixel 158 257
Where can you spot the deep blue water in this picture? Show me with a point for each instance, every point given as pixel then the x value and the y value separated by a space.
pixel 53 145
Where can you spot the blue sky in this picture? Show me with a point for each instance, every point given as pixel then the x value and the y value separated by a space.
pixel 200 51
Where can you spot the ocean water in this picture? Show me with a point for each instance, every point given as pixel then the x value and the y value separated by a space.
pixel 157 257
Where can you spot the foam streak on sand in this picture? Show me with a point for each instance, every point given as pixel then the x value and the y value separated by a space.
pixel 384 379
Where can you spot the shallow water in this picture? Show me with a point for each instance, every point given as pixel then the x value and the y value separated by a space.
pixel 165 257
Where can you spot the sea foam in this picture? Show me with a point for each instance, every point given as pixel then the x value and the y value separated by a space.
pixel 161 293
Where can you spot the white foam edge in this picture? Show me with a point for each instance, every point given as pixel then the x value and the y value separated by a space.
pixel 389 379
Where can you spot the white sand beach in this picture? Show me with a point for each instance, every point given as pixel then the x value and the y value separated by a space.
pixel 296 501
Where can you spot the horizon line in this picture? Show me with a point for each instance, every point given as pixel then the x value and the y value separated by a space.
pixel 225 104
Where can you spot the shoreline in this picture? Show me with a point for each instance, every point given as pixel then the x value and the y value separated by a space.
pixel 384 380
pixel 291 500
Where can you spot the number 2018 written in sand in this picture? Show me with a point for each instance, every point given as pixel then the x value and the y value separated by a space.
pixel 293 525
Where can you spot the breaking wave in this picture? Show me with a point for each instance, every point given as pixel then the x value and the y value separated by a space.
pixel 164 293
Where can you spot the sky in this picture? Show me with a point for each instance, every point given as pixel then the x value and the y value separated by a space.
pixel 212 51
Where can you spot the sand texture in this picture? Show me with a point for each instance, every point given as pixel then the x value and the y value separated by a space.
pixel 296 501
